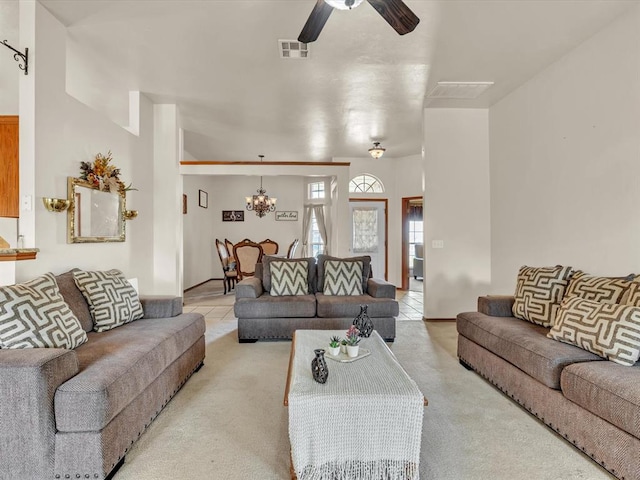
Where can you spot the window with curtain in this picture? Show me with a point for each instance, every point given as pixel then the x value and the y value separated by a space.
pixel 365 183
pixel 315 239
pixel 365 230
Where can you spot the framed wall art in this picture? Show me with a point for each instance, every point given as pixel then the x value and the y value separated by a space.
pixel 203 199
pixel 233 215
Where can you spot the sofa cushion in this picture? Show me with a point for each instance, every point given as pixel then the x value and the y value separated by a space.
pixel 607 390
pixel 34 315
pixel 366 269
pixel 289 278
pixel 330 306
pixel 266 306
pixel 523 344
pixel 74 298
pixel 342 278
pixel 598 289
pixel 117 365
pixel 609 330
pixel 266 270
pixel 111 298
pixel 539 292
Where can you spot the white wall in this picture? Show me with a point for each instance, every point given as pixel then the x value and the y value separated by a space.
pixel 227 192
pixel 565 162
pixel 456 210
pixel 9 70
pixel 64 133
pixel 9 94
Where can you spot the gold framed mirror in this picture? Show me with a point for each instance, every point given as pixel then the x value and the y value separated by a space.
pixel 94 215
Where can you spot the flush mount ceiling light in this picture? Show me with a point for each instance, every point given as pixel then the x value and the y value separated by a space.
pixel 261 203
pixel 344 4
pixel 376 151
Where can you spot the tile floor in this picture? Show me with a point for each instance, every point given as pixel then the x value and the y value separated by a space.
pixel 209 300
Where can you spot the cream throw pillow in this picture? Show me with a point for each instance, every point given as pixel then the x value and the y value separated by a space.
pixel 34 315
pixel 539 292
pixel 611 331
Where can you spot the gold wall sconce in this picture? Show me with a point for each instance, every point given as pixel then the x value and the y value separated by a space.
pixel 56 204
pixel 130 214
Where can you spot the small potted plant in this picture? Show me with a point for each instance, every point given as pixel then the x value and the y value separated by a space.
pixel 353 339
pixel 343 346
pixel 334 346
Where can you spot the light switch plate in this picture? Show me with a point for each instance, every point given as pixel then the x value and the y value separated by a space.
pixel 437 243
pixel 26 203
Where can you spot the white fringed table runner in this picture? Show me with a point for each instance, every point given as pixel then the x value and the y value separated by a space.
pixel 365 423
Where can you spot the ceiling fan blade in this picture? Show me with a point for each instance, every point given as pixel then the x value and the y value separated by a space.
pixel 315 22
pixel 397 14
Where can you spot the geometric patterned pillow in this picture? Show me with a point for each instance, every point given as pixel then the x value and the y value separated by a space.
pixel 111 298
pixel 611 331
pixel 289 278
pixel 34 315
pixel 342 278
pixel 633 295
pixel 598 289
pixel 539 292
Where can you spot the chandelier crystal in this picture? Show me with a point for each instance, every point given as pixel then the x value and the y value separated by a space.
pixel 261 203
pixel 376 151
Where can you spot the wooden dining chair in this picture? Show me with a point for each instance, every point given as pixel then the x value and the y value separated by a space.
pixel 229 246
pixel 269 247
pixel 228 267
pixel 247 254
pixel 291 252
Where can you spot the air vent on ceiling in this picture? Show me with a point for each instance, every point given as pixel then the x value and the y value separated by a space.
pixel 293 49
pixel 459 89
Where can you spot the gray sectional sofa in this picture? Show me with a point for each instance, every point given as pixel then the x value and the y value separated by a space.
pixel 76 413
pixel 262 316
pixel 591 402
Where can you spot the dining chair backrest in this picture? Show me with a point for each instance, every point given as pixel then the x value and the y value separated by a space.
pixel 222 253
pixel 247 254
pixel 269 247
pixel 229 246
pixel 292 248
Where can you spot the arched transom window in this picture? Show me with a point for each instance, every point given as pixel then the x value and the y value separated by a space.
pixel 365 183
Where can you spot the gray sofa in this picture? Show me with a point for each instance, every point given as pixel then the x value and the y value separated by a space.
pixel 593 403
pixel 76 413
pixel 265 317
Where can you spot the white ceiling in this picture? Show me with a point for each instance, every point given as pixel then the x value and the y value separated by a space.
pixel 218 60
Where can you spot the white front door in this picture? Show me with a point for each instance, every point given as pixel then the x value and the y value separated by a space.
pixel 368 233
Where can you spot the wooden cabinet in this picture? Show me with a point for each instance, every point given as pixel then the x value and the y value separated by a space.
pixel 9 167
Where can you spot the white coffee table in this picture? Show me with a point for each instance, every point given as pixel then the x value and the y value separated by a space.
pixel 366 418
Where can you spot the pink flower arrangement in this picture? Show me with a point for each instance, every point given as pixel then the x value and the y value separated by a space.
pixel 353 336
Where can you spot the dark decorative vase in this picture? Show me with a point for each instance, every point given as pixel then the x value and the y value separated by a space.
pixel 319 367
pixel 363 323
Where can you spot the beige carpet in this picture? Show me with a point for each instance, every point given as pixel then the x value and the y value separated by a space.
pixel 228 422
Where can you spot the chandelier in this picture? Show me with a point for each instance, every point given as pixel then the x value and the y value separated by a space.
pixel 376 151
pixel 261 203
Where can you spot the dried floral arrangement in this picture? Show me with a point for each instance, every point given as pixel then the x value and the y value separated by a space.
pixel 102 175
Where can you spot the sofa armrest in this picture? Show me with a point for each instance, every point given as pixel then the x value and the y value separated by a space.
pixel 161 306
pixel 378 288
pixel 249 288
pixel 496 305
pixel 29 379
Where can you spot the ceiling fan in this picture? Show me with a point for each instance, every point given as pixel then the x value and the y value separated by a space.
pixel 395 12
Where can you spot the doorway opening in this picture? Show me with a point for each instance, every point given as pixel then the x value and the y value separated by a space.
pixel 412 236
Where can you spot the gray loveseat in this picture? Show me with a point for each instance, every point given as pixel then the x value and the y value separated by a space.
pixel 591 402
pixel 262 316
pixel 76 413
